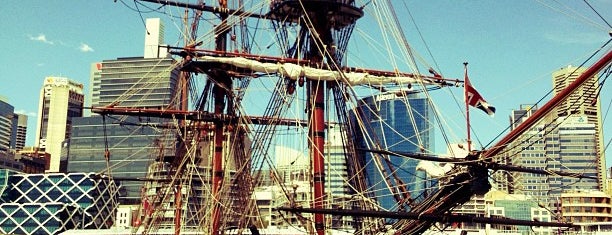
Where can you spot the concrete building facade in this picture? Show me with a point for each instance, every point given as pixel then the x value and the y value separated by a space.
pixel 61 99
pixel 586 206
pixel 585 104
pixel 20 129
pixel 6 125
pixel 133 143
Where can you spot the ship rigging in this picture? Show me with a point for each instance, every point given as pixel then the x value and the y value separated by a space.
pixel 219 155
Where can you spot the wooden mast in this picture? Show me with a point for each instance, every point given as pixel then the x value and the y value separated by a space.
pixel 317 17
pixel 222 85
pixel 316 115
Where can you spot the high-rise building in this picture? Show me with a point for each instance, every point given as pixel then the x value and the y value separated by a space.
pixel 336 168
pixel 568 139
pixel 527 149
pixel 572 147
pixel 132 147
pixel 133 143
pixel 135 82
pixel 60 100
pixel 154 39
pixel 396 123
pixel 20 127
pixel 336 176
pixel 6 125
pixel 93 94
pixel 584 103
pixel 520 115
pixel 556 143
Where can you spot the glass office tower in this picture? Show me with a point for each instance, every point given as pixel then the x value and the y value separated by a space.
pixel 397 122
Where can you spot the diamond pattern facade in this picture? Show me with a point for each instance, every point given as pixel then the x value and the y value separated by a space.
pixel 38 218
pixel 52 203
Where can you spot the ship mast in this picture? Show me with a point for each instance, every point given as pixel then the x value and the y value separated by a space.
pixel 222 83
pixel 320 18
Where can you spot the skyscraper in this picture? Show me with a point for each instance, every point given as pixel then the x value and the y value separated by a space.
pixel 132 148
pixel 583 103
pixel 568 140
pixel 149 80
pixel 396 123
pixel 135 82
pixel 336 176
pixel 133 143
pixel 6 125
pixel 336 163
pixel 561 144
pixel 509 181
pixel 20 127
pixel 154 38
pixel 60 100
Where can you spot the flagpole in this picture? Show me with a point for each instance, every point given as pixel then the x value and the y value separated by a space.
pixel 467 107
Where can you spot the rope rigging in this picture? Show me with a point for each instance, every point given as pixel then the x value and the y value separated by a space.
pixel 307 42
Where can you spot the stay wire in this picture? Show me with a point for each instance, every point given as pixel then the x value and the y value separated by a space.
pixel 601 17
pixel 546 95
pixel 550 127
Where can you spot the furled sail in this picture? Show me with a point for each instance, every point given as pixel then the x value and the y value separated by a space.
pixel 295 71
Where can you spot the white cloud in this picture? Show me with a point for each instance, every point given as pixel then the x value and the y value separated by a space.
pixel 575 37
pixel 41 38
pixel 24 112
pixel 85 48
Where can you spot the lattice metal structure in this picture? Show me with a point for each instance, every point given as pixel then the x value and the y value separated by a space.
pixel 4 184
pixel 38 218
pixel 51 203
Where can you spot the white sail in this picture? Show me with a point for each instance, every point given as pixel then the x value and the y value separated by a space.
pixel 295 71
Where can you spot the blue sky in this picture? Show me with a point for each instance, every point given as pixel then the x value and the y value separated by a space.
pixel 512 46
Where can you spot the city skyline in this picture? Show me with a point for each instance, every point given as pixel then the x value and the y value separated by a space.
pixel 525 42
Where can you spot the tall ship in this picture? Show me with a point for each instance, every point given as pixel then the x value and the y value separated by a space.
pixel 271 124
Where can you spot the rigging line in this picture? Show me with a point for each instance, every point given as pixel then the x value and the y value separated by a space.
pixel 607 145
pixel 412 61
pixel 374 140
pixel 532 199
pixel 136 10
pixel 245 33
pixel 421 36
pixel 607 73
pixel 549 128
pixel 605 116
pixel 445 120
pixel 603 19
pixel 549 92
pixel 141 18
pixel 546 129
pixel 106 151
pixel 575 16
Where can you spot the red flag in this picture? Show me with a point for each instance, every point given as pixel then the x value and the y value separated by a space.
pixel 473 98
